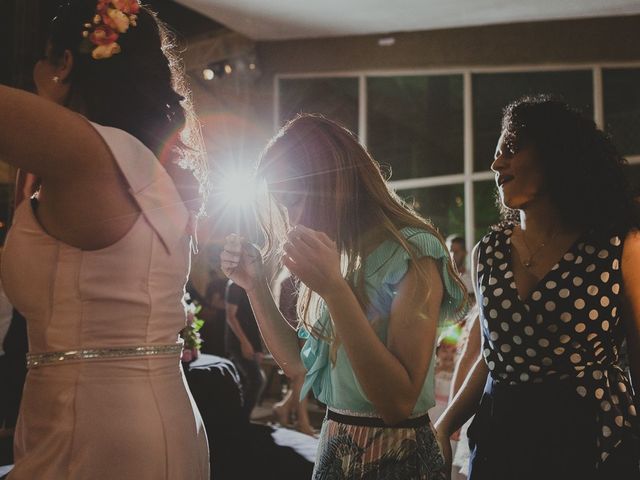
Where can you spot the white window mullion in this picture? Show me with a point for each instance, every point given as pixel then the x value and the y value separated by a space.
pixel 469 203
pixel 362 109
pixel 598 98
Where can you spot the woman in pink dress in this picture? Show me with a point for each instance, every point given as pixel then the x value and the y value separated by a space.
pixel 98 259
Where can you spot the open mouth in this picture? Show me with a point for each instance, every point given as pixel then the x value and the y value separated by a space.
pixel 503 179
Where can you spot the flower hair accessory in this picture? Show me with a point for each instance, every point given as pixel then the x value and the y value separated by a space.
pixel 112 19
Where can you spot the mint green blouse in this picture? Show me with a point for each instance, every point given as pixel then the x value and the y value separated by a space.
pixel 336 384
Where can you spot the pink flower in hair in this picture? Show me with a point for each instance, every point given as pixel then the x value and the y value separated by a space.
pixel 103 35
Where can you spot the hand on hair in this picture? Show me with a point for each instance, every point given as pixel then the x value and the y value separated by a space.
pixel 313 257
pixel 241 262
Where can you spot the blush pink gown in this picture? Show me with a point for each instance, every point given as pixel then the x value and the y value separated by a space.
pixel 107 418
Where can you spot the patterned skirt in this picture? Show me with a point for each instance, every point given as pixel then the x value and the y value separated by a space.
pixel 359 448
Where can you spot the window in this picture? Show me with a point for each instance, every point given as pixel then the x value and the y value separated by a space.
pixel 438 130
pixel 621 96
pixel 336 98
pixel 415 124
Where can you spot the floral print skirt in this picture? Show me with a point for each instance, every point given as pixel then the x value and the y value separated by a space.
pixel 348 451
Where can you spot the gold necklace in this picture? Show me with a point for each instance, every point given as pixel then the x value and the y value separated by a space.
pixel 529 262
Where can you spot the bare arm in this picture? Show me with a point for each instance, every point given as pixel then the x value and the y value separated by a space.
pixel 467 399
pixel 243 264
pixel 391 375
pixel 631 317
pixel 468 357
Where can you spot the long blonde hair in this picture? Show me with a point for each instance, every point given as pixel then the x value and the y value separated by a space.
pixel 345 196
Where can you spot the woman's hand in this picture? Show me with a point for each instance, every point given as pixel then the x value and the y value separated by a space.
pixel 313 257
pixel 242 262
pixel 445 447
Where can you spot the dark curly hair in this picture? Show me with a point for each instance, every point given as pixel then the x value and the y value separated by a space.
pixel 582 169
pixel 141 90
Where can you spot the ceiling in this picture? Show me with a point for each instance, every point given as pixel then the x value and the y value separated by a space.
pixel 288 19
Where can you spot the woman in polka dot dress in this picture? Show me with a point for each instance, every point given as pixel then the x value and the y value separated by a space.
pixel 558 285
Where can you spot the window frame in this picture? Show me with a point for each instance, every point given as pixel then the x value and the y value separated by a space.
pixel 468 176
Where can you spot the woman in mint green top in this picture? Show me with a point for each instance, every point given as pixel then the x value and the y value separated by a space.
pixel 376 280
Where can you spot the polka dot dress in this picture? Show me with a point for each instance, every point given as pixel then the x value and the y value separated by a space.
pixel 568 328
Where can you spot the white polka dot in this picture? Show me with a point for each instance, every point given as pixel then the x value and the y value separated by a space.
pixel 565 339
pixel 565 275
pixel 506 304
pixel 597 375
pixel 508 275
pixel 619 420
pixel 517 340
pixel 500 357
pixel 534 368
pixel 593 314
pixel 493 280
pixel 615 264
pixel 565 317
pixel 615 288
pixel 589 249
pixel 491 365
pixel 577 281
pixel 604 277
pixel 489 249
pixel 528 330
pixel 547 362
pixel 564 293
pixel 615 241
pixel 539 319
pixel 604 301
pixel 551 284
pixel 569 256
pixel 606 431
pixel 632 410
pixel 582 391
pixel 603 254
pixel 486 352
pixel 510 369
pixel 622 387
pixel 506 348
pixel 606 406
pixel 592 290
pixel 558 350
pixel 615 399
pixel 543 342
pixel 599 393
pixel 485 301
pixel 480 268
pixel 516 317
pixel 531 352
pixel 504 326
pixel 579 304
pixel 553 328
pixel 575 358
pixel 502 266
pixel 550 306
pixel 614 312
pixel 518 359
pixel 591 336
pixel 494 336
pixel 591 268
pixel 578 260
pixel 497 292
pixel 581 327
pixel 493 313
pixel 499 255
pixel 524 377
pixel 536 296
pixel 605 326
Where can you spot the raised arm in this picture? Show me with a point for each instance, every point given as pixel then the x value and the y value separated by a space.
pixel 243 264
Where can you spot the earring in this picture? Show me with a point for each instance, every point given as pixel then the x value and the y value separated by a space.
pixel 56 79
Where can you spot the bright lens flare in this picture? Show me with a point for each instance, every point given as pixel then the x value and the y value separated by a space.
pixel 239 189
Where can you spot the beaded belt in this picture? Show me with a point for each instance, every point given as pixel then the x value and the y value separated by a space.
pixel 53 358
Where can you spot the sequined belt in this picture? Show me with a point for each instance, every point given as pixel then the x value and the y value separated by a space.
pixel 55 358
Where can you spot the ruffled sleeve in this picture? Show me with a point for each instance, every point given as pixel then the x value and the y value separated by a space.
pixel 315 358
pixel 454 304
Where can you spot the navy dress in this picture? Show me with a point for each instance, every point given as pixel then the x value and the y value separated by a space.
pixel 556 405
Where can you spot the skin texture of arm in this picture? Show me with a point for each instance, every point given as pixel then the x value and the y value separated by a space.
pixel 84 201
pixel 631 317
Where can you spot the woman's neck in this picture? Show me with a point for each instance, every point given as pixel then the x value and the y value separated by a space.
pixel 541 220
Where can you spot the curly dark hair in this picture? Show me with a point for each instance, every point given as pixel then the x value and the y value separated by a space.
pixel 582 169
pixel 141 90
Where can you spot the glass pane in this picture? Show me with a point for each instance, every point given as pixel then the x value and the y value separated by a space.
pixel 492 92
pixel 444 206
pixel 485 207
pixel 335 98
pixel 415 124
pixel 621 91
